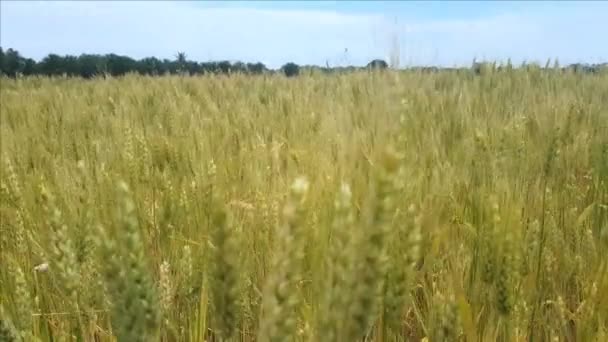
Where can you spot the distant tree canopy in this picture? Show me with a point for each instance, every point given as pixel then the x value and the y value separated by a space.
pixel 377 64
pixel 90 65
pixel 13 64
pixel 291 69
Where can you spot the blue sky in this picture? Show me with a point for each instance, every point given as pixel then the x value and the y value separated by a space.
pixel 312 32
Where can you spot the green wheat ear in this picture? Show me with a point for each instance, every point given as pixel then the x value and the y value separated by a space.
pixel 504 283
pixel 8 332
pixel 506 265
pixel 64 254
pixel 279 316
pixel 165 288
pixel 366 279
pixel 13 192
pixel 336 302
pixel 225 278
pixel 135 304
pixel 445 323
pixel 401 268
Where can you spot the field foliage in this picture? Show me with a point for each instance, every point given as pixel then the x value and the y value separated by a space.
pixel 385 206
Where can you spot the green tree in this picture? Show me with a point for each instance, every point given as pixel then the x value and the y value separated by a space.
pixel 256 68
pixel 13 63
pixel 150 66
pixel 52 65
pixel 29 67
pixel 181 60
pixel 91 65
pixel 291 69
pixel 377 64
pixel 1 61
pixel 224 67
pixel 120 65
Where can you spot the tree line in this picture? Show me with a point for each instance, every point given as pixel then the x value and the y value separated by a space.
pixel 13 64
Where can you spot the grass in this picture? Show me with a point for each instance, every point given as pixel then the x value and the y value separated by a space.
pixel 385 206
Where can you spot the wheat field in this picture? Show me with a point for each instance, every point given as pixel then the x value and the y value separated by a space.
pixel 369 206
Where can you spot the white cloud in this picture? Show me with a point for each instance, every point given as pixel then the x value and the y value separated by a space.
pixel 534 36
pixel 161 29
pixel 140 29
